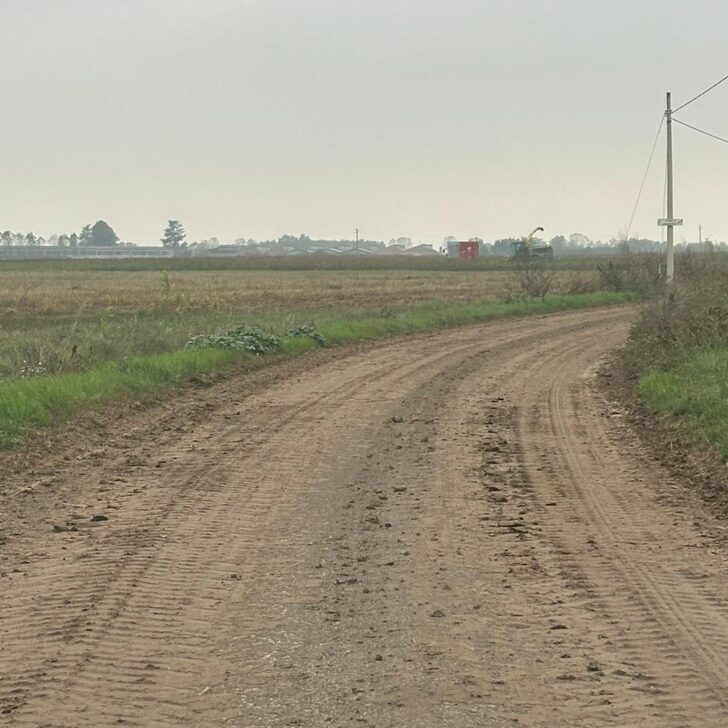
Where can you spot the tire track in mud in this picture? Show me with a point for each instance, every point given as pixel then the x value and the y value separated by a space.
pixel 449 530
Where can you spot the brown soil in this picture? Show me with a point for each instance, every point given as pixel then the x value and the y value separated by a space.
pixel 456 529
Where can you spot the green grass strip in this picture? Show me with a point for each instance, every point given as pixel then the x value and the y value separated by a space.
pixel 28 404
pixel 32 403
pixel 695 395
pixel 425 317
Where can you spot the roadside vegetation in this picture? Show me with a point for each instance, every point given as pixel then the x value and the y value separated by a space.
pixel 38 400
pixel 57 318
pixel 679 352
pixel 79 337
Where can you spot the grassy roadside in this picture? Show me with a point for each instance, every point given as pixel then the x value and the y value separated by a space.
pixel 694 395
pixel 680 357
pixel 39 401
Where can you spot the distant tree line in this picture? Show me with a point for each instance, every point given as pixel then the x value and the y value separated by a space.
pixel 305 241
pixel 574 244
pixel 100 234
pixel 579 244
pixel 174 236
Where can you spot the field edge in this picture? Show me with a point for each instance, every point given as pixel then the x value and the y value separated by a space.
pixel 35 403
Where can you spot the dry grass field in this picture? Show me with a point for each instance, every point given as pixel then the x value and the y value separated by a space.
pixel 59 318
pixel 55 320
pixel 64 292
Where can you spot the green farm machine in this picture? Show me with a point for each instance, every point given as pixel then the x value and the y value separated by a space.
pixel 524 250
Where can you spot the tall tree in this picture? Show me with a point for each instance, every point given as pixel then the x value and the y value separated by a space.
pixel 559 243
pixel 30 239
pixel 85 237
pixel 174 235
pixel 103 235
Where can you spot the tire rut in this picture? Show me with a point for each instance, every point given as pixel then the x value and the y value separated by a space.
pixel 677 628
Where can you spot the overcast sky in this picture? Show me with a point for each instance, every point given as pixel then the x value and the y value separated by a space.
pixel 418 118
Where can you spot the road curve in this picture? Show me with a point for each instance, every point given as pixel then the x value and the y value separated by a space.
pixel 455 529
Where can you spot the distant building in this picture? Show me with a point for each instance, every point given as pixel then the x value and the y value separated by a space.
pixel 83 252
pixel 421 249
pixel 467 249
pixel 393 250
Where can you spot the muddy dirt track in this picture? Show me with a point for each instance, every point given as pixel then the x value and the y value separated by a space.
pixel 456 529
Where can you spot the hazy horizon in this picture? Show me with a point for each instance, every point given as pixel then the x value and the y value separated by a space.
pixel 419 119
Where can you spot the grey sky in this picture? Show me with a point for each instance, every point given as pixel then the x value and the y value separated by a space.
pixel 422 118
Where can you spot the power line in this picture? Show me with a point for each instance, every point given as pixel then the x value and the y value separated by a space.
pixel 701 131
pixel 702 93
pixel 644 177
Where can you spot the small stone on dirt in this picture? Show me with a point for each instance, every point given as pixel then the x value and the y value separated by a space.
pixel 437 613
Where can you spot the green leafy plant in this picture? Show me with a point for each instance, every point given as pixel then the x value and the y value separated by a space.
pixel 309 331
pixel 244 338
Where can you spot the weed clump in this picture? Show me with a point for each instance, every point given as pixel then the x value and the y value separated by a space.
pixel 248 339
pixel 695 320
pixel 639 273
pixel 308 331
pixel 531 278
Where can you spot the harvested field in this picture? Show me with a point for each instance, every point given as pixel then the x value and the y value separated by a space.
pixel 63 292
pixel 63 317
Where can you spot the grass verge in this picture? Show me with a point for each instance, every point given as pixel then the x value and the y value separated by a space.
pixel 694 394
pixel 40 401
pixel 679 353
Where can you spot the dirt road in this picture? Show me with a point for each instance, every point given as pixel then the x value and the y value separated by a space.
pixel 451 530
